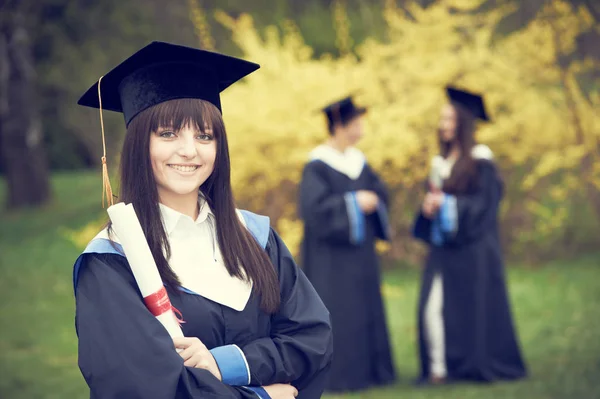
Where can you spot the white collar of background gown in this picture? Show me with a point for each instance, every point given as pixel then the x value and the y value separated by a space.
pixel 444 166
pixel 351 162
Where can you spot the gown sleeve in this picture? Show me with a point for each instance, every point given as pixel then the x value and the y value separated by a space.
pixel 381 215
pixel 331 216
pixel 124 352
pixel 299 350
pixel 474 213
pixel 421 227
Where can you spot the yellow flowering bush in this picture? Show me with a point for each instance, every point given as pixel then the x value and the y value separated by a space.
pixel 543 126
pixel 545 133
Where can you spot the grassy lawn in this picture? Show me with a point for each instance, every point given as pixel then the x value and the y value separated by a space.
pixel 557 308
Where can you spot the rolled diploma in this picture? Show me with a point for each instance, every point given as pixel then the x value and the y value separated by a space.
pixel 127 227
pixel 435 177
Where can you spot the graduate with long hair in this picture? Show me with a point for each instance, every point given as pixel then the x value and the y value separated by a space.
pixel 253 325
pixel 466 330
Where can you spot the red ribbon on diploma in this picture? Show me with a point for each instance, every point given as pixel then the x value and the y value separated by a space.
pixel 159 303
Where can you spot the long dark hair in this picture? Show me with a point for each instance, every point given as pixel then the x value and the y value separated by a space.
pixel 243 256
pixel 465 168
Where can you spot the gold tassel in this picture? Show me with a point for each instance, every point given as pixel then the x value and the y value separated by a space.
pixel 106 188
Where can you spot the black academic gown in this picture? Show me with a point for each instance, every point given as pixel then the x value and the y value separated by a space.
pixel 346 273
pixel 124 352
pixel 480 340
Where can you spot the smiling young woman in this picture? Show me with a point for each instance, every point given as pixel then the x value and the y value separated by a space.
pixel 254 326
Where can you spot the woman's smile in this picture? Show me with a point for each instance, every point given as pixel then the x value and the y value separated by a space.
pixel 185 169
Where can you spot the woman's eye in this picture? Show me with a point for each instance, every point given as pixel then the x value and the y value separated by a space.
pixel 167 134
pixel 204 137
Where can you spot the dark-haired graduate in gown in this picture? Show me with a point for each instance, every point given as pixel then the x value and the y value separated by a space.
pixel 466 330
pixel 254 327
pixel 343 204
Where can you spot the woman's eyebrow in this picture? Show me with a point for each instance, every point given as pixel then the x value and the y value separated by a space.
pixel 207 128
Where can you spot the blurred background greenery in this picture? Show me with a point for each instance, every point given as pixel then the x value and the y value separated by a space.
pixel 537 61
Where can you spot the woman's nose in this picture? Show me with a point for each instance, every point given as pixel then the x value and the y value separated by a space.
pixel 187 148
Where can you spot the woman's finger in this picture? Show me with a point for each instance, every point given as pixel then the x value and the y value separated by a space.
pixel 191 362
pixel 181 342
pixel 189 351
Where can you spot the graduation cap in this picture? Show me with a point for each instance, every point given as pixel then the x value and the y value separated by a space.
pixel 161 72
pixel 342 111
pixel 157 73
pixel 473 102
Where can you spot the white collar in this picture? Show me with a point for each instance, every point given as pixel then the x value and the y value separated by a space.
pixel 482 151
pixel 441 168
pixel 351 162
pixel 171 217
pixel 211 280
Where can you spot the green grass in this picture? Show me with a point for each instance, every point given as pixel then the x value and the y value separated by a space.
pixel 557 309
pixel 37 337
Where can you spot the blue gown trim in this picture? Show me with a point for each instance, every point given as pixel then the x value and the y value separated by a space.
pixel 258 225
pixel 232 365
pixel 446 220
pixel 356 218
pixel 448 214
pixel 96 246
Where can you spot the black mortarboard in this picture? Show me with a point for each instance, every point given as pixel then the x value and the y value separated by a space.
pixel 162 71
pixel 342 111
pixel 473 102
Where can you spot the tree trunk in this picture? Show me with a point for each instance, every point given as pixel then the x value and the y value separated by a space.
pixel 21 139
pixel 586 166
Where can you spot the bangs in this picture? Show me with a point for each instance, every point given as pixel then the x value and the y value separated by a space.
pixel 184 112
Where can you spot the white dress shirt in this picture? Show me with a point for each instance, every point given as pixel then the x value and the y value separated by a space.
pixel 197 260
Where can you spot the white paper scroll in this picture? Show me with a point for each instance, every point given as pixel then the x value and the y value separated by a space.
pixel 435 174
pixel 129 231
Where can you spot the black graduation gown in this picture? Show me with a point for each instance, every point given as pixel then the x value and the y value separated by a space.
pixel 480 340
pixel 346 273
pixel 124 352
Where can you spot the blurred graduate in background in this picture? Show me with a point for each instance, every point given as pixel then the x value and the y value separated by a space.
pixel 465 325
pixel 343 204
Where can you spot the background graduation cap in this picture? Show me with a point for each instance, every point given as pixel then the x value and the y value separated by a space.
pixel 342 111
pixel 157 73
pixel 473 102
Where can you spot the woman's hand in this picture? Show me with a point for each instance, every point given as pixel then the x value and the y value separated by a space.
pixel 281 391
pixel 195 354
pixel 432 203
pixel 367 201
